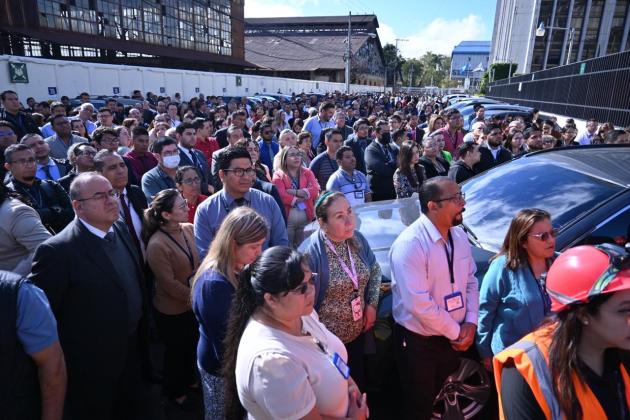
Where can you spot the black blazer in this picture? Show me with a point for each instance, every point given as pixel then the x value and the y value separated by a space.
pixel 203 167
pixel 137 199
pixel 380 174
pixel 488 161
pixel 89 302
pixel 430 170
pixel 221 136
pixel 359 153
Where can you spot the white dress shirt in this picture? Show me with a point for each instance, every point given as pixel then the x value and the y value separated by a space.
pixel 94 230
pixel 421 280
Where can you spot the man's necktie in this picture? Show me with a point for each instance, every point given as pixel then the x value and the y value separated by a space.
pixel 194 158
pixel 129 223
pixel 46 170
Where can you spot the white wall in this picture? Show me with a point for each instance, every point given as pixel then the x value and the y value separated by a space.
pixel 72 78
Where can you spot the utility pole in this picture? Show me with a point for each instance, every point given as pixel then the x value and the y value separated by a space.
pixel 396 67
pixel 410 77
pixel 348 52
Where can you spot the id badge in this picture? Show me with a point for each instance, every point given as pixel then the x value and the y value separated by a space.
pixel 357 308
pixel 341 365
pixel 358 194
pixel 454 301
pixel 301 205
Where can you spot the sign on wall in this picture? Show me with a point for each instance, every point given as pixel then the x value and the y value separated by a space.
pixel 162 89
pixel 116 90
pixel 52 91
pixel 18 72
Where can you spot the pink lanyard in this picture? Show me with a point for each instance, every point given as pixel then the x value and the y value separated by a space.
pixel 352 274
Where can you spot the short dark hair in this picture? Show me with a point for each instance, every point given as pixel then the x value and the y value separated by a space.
pixel 396 117
pixel 230 154
pixel 161 142
pixel 331 132
pixel 199 122
pixel 4 94
pixel 531 130
pixel 379 124
pixel 613 135
pixel 465 148
pixel 449 113
pixel 360 121
pixel 139 131
pixel 19 147
pixel 97 134
pixel 489 127
pixel 183 127
pixel 431 190
pixel 105 109
pixel 326 105
pixel 341 151
pixel 56 117
pixel 179 175
pixel 401 132
pixel 5 123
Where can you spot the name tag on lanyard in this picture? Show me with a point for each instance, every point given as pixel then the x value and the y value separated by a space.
pixel 356 306
pixel 455 299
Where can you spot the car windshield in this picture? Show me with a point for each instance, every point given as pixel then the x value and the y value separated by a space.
pixel 493 199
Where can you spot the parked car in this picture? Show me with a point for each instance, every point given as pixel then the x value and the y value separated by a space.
pixel 502 110
pixel 473 101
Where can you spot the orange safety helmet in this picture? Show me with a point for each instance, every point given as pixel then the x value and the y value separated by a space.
pixel 583 272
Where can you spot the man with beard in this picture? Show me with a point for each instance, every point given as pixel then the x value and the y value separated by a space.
pixel 494 154
pixel 533 139
pixel 47 197
pixel 435 296
pixel 381 158
pixel 47 167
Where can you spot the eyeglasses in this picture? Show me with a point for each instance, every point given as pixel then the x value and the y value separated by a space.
pixel 24 162
pixel 545 235
pixel 190 181
pixel 239 172
pixel 110 141
pixel 303 288
pixel 459 197
pixel 101 196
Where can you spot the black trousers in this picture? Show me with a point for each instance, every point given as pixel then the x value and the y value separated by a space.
pixel 107 398
pixel 356 360
pixel 423 363
pixel 179 334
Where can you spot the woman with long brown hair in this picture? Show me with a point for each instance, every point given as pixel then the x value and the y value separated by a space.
pixel 513 300
pixel 410 175
pixel 237 243
pixel 574 366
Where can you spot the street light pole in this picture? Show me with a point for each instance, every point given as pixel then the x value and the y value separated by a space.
pixel 542 29
pixel 348 52
pixel 395 68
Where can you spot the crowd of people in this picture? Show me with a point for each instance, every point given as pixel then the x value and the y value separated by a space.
pixel 177 223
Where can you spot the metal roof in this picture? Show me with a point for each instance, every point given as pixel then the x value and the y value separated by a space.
pixel 299 52
pixel 311 20
pixel 473 47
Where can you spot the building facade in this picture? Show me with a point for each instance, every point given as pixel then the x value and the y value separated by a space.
pixel 469 61
pixel 584 29
pixel 158 33
pixel 315 48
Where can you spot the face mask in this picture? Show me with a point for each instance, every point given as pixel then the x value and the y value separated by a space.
pixel 170 162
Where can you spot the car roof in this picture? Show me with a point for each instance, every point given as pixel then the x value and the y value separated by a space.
pixel 605 161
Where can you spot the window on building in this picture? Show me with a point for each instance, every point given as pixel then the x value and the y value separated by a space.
pixel 617 26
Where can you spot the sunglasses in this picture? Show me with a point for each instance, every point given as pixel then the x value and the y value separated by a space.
pixel 545 235
pixel 303 288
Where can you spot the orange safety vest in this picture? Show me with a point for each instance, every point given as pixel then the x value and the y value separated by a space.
pixel 530 356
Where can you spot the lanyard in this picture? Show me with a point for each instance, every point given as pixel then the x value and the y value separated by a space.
pixel 188 254
pixel 449 258
pixel 542 289
pixel 352 274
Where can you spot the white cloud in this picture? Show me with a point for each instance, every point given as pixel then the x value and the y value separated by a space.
pixel 273 8
pixel 386 34
pixel 440 36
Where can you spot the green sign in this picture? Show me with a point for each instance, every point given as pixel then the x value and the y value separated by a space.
pixel 582 68
pixel 239 81
pixel 18 73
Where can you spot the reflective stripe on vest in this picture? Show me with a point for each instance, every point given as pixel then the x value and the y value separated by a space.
pixel 543 375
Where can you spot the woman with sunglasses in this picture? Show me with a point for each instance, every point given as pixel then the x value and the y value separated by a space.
pixel 172 256
pixel 349 277
pixel 280 360
pixel 575 365
pixel 238 243
pixel 513 300
pixel 188 182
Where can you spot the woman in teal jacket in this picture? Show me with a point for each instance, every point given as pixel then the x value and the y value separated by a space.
pixel 513 299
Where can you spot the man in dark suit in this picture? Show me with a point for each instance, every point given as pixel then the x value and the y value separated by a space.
pixel 131 199
pixel 494 154
pixel 381 158
pixel 359 141
pixel 47 166
pixel 238 119
pixel 91 275
pixel 189 156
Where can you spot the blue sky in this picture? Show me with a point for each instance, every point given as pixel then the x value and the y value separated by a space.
pixel 429 25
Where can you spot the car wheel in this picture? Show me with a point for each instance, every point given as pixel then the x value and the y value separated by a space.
pixel 464 393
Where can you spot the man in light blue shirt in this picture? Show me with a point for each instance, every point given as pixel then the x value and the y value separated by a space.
pixel 352 183
pixel 237 175
pixel 315 125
